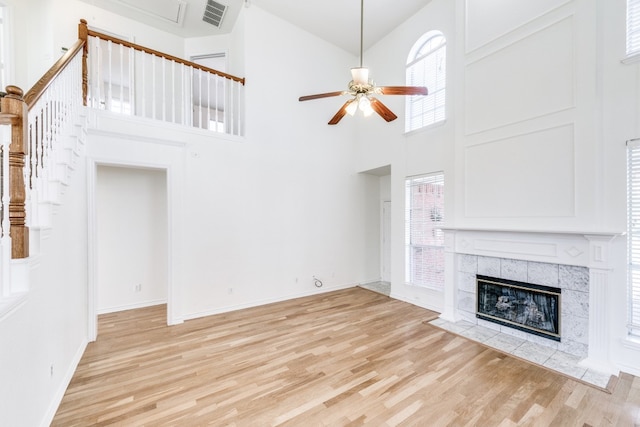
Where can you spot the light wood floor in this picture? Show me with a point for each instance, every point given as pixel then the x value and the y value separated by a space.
pixel 351 357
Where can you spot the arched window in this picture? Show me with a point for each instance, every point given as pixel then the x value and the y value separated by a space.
pixel 426 66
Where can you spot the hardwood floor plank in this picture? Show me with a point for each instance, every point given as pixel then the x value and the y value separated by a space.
pixel 346 358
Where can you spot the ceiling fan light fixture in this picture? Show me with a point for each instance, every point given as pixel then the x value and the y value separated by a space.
pixel 352 107
pixel 365 106
pixel 360 75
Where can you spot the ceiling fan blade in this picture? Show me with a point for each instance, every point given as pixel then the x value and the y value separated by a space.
pixel 382 109
pixel 403 90
pixel 340 114
pixel 320 95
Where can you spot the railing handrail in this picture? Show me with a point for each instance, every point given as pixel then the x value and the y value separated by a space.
pixel 160 54
pixel 34 94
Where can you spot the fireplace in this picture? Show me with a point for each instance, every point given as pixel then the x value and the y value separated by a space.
pixel 524 306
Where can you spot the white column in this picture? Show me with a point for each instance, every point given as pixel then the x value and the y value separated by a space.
pixel 450 309
pixel 599 284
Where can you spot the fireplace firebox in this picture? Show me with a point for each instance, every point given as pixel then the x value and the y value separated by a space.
pixel 524 306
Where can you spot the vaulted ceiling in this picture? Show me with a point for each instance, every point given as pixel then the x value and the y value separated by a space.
pixel 336 21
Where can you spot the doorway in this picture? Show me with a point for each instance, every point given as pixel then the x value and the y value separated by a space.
pixel 129 239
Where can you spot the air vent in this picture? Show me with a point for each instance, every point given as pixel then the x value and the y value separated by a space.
pixel 214 12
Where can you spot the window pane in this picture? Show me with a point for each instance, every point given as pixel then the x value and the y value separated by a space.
pixel 633 238
pixel 424 215
pixel 426 67
pixel 633 27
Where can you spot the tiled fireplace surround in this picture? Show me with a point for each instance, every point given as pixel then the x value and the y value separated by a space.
pixel 578 263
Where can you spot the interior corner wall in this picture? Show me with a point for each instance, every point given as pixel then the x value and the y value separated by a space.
pixel 67 14
pixel 31 54
pixel 420 152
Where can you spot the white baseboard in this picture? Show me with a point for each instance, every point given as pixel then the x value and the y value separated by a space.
pixel 64 383
pixel 420 304
pixel 257 303
pixel 130 306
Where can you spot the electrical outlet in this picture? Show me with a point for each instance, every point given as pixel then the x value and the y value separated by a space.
pixel 230 291
pixel 51 371
pixel 138 287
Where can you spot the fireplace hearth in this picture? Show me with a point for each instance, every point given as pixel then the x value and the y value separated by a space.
pixel 523 306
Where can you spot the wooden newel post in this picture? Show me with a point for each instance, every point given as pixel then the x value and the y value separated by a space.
pixel 83 34
pixel 13 103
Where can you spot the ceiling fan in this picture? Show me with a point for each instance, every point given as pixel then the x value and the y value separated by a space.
pixel 362 90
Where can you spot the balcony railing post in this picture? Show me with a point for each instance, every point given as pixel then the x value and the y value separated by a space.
pixel 83 34
pixel 13 103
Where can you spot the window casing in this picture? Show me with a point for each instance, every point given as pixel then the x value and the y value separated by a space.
pixel 633 237
pixel 424 238
pixel 426 66
pixel 633 28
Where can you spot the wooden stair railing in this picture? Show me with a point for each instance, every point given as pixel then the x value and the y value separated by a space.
pixel 31 141
pixel 12 104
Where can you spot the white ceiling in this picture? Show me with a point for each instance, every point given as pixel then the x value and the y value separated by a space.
pixel 336 21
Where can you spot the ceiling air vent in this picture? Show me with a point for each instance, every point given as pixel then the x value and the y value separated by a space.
pixel 214 12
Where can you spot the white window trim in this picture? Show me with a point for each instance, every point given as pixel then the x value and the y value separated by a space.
pixel 632 44
pixel 413 60
pixel 411 182
pixel 633 238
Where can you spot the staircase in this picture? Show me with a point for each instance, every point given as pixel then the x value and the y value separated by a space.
pixel 43 132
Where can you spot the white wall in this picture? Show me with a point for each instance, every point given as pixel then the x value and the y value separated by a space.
pixel 50 329
pixel 539 108
pixel 131 222
pixel 425 151
pixel 253 220
pixel 619 92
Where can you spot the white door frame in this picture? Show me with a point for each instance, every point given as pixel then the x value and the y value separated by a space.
pixel 92 261
pixel 385 241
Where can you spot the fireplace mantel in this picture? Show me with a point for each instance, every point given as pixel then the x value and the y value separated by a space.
pixel 590 249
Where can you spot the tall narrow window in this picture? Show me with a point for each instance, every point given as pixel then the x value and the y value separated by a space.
pixel 633 236
pixel 633 27
pixel 426 66
pixel 424 215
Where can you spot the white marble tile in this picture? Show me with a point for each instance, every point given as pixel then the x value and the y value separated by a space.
pixel 479 333
pixel 468 263
pixel 468 316
pixel 572 347
pixel 557 360
pixel 438 322
pixel 467 282
pixel 467 301
pixel 596 378
pixel 513 269
pixel 575 278
pixel 541 273
pixel 459 327
pixel 566 364
pixel 575 303
pixel 533 352
pixel 575 329
pixel 543 341
pixel 489 325
pixel 514 332
pixel 489 266
pixel 504 342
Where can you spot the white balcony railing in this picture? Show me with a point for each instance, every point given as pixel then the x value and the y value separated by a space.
pixel 130 79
